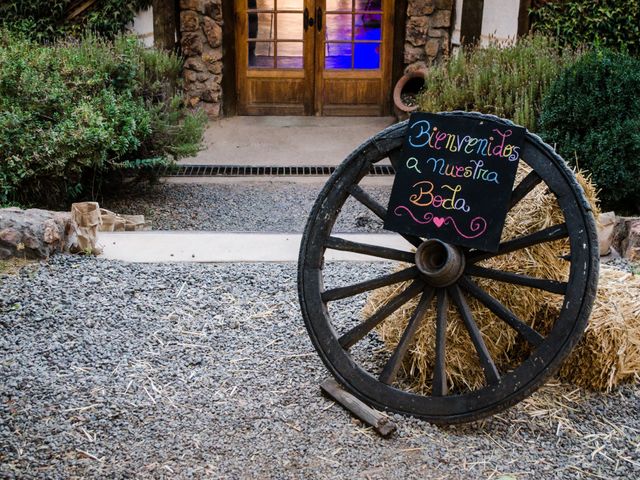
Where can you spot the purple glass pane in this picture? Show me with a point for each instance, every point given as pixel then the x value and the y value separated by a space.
pixel 337 56
pixel 368 26
pixel 339 5
pixel 366 56
pixel 261 54
pixel 338 26
pixel 368 5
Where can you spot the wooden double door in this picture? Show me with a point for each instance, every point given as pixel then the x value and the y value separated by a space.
pixel 306 57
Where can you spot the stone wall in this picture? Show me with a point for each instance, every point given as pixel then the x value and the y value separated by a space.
pixel 201 41
pixel 427 35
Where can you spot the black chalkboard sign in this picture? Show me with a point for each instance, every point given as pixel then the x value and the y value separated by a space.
pixel 454 180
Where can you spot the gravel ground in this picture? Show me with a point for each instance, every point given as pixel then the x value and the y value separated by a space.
pixel 255 206
pixel 183 370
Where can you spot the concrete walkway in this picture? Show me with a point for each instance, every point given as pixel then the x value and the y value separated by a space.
pixel 209 247
pixel 285 141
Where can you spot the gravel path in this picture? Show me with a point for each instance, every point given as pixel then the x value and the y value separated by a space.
pixel 256 206
pixel 180 371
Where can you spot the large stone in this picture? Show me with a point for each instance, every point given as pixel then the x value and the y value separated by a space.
pixel 213 32
pixel 189 21
pixel 631 245
pixel 35 233
pixel 211 57
pixel 432 48
pixel 213 9
pixel 195 63
pixel 211 109
pixel 413 54
pixel 417 28
pixel 195 5
pixel 191 76
pixel 420 7
pixel 442 18
pixel 191 44
pixel 443 4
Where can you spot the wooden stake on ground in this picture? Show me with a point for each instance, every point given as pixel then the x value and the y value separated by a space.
pixel 378 420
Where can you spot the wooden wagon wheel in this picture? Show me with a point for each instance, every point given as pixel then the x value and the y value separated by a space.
pixel 436 284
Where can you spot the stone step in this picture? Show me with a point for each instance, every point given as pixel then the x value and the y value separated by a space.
pixel 215 247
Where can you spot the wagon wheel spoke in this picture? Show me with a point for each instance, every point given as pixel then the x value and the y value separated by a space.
pixel 372 204
pixel 552 286
pixel 549 234
pixel 336 243
pixel 359 331
pixel 527 184
pixel 390 370
pixel 490 370
pixel 439 387
pixel 502 312
pixel 355 289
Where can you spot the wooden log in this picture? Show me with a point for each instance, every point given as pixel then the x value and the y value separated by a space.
pixel 378 420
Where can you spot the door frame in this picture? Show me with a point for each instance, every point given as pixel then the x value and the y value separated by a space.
pixel 229 81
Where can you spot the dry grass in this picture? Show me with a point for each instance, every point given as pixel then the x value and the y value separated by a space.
pixel 608 336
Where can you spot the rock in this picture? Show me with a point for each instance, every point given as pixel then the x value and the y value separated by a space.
pixel 420 7
pixel 189 21
pixel 443 4
pixel 432 47
pixel 413 54
pixel 195 5
pixel 213 32
pixel 606 226
pixel 35 233
pixel 213 9
pixel 191 44
pixel 195 63
pixel 417 28
pixel 631 245
pixel 442 18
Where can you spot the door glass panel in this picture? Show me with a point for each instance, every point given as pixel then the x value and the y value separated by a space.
pixel 368 5
pixel 290 55
pixel 289 26
pixel 339 26
pixel 275 33
pixel 289 5
pixel 261 54
pixel 366 56
pixel 260 4
pixel 339 5
pixel 261 26
pixel 338 56
pixel 368 26
pixel 359 30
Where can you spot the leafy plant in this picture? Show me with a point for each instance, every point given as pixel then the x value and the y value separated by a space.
pixel 508 82
pixel 75 115
pixel 592 114
pixel 613 24
pixel 47 20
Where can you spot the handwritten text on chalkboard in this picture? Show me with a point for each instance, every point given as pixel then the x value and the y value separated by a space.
pixel 454 180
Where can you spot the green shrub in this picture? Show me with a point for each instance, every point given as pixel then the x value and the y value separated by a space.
pixel 612 24
pixel 73 116
pixel 52 19
pixel 508 82
pixel 592 114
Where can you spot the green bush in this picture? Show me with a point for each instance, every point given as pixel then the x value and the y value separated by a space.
pixel 612 24
pixel 73 116
pixel 592 114
pixel 53 19
pixel 508 82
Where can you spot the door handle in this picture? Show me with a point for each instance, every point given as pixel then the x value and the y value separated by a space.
pixel 307 20
pixel 319 18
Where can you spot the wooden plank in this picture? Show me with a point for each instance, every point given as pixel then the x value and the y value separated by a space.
pixel 378 420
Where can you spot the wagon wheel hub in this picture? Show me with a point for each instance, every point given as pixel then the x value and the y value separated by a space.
pixel 440 263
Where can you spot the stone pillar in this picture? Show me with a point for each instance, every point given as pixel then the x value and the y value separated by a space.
pixel 201 41
pixel 427 36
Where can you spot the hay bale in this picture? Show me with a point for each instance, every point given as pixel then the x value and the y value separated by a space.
pixel 536 211
pixel 609 353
